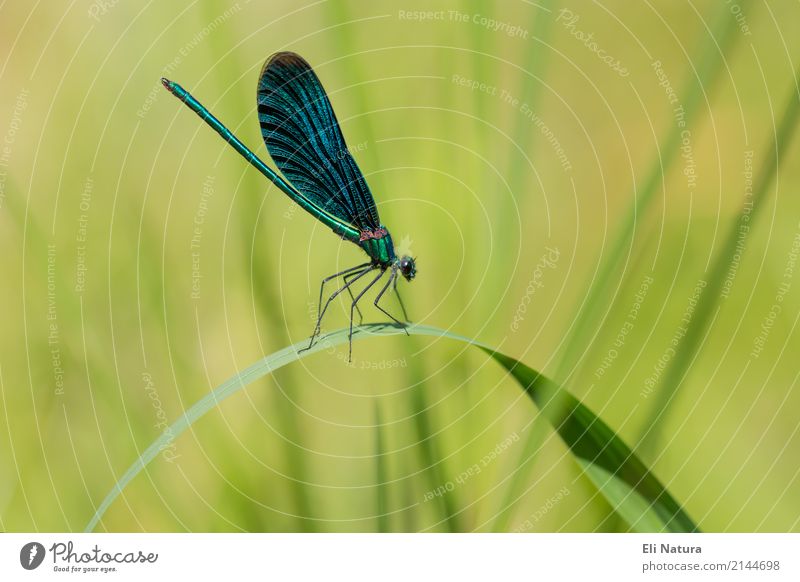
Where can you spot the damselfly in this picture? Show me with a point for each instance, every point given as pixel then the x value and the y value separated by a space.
pixel 304 140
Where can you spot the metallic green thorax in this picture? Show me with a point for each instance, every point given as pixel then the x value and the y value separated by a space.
pixel 380 250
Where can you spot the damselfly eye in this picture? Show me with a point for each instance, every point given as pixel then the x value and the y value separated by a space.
pixel 408 267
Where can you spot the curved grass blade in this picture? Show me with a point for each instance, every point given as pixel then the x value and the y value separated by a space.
pixel 595 444
pixel 587 437
pixel 628 504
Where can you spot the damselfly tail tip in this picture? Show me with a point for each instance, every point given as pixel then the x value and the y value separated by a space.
pixel 167 84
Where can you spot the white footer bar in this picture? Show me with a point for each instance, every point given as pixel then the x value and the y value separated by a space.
pixel 401 557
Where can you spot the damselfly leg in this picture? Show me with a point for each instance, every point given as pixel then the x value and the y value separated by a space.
pixel 352 297
pixel 349 277
pixel 400 299
pixel 353 306
pixel 392 278
pixel 364 269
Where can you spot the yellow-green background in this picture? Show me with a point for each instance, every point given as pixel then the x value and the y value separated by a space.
pixel 477 192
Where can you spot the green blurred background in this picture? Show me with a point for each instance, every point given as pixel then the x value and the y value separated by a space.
pixel 541 188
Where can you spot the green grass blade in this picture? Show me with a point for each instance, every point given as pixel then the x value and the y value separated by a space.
pixel 381 474
pixel 587 437
pixel 713 56
pixel 430 455
pixel 627 502
pixel 708 303
pixel 259 262
pixel 535 66
pixel 594 443
pixel 337 13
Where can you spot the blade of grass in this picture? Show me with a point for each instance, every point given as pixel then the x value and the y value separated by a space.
pixel 589 439
pixel 429 454
pixel 712 51
pixel 594 443
pixel 343 24
pixel 260 262
pixel 381 479
pixel 628 504
pixel 708 303
pixel 535 66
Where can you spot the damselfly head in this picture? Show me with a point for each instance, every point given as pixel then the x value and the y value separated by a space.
pixel 408 267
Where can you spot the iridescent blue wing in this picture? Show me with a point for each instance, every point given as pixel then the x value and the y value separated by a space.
pixel 304 139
